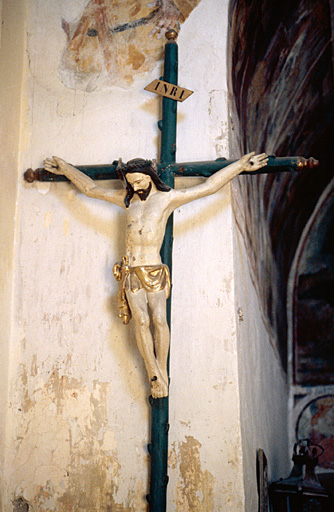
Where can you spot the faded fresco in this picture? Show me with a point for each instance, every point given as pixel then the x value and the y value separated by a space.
pixel 114 40
pixel 282 97
pixel 281 70
pixel 316 422
pixel 312 300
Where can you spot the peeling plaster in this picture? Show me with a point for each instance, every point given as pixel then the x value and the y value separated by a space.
pixel 43 188
pixel 195 485
pixel 66 456
pixel 21 505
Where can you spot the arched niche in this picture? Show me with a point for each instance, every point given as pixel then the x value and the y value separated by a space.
pixel 312 298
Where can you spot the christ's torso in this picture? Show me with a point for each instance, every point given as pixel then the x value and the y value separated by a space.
pixel 145 230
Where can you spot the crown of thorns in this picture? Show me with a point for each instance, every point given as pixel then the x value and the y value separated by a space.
pixel 137 165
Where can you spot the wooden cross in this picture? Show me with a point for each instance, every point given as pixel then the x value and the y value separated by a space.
pixel 168 169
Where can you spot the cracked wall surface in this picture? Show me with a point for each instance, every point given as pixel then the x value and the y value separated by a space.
pixel 64 435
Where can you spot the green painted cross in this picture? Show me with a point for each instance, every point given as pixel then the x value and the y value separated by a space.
pixel 168 169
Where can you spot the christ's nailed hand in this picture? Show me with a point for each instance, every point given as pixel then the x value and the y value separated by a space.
pixel 53 165
pixel 254 162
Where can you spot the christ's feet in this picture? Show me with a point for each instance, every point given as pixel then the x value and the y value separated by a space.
pixel 159 388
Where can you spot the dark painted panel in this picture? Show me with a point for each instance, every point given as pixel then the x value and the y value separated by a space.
pixel 282 97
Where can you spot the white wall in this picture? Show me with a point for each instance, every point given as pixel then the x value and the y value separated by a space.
pixel 205 432
pixel 263 385
pixel 78 415
pixel 11 62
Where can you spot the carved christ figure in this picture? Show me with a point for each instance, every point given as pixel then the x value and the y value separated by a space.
pixel 144 280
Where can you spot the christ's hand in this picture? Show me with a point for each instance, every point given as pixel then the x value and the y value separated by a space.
pixel 54 165
pixel 254 162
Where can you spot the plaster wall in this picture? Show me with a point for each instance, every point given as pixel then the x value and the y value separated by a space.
pixel 77 423
pixel 262 383
pixel 12 19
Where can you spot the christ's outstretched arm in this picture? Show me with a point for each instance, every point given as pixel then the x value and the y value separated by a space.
pixel 84 183
pixel 249 163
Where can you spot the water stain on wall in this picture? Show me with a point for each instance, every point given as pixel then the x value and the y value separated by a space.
pixel 65 457
pixel 114 41
pixel 195 485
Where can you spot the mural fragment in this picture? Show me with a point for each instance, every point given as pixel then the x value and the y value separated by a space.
pixel 116 40
pixel 316 422
pixel 312 281
pixel 282 102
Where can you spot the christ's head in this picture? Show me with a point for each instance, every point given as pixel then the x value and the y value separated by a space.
pixel 138 175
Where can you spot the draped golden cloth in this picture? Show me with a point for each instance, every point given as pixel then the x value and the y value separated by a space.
pixel 152 278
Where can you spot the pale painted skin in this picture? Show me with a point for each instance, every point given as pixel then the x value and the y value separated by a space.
pixel 146 224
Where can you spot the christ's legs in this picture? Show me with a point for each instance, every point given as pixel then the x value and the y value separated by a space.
pixel 157 304
pixel 138 305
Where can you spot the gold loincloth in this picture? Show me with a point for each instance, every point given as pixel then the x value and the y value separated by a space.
pixel 153 278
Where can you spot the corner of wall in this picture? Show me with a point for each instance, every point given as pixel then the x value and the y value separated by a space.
pixel 263 385
pixel 11 79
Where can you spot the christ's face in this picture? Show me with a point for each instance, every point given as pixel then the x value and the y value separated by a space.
pixel 138 181
pixel 141 184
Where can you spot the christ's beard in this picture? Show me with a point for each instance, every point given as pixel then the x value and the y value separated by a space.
pixel 143 193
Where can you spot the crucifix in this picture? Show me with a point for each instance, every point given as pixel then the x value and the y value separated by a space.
pixel 144 272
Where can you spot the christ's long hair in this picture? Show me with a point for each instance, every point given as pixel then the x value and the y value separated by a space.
pixel 144 167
